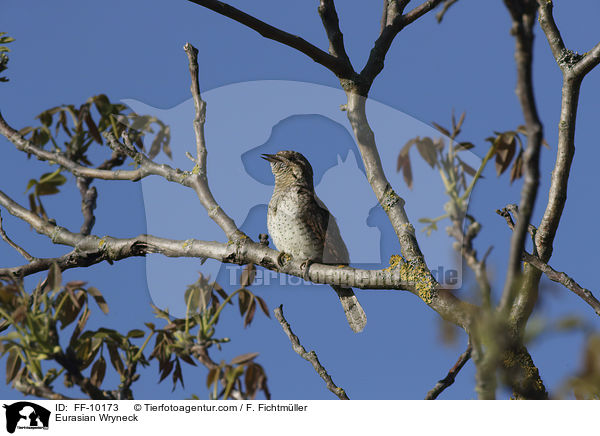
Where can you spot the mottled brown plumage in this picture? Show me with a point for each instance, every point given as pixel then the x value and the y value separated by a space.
pixel 301 225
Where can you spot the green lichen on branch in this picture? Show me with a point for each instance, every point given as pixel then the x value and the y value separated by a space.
pixel 389 199
pixel 416 273
pixel 522 375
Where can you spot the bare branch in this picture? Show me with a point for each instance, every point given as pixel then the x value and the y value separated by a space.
pixel 92 249
pixel 395 22
pixel 20 250
pixel 563 279
pixel 552 274
pixel 449 379
pixel 419 11
pixel 334 34
pixel 523 15
pixel 336 65
pixel 550 29
pixel 447 4
pixel 41 391
pixel 89 194
pixel 308 356
pixel 199 180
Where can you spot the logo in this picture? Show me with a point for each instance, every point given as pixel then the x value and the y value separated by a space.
pixel 26 415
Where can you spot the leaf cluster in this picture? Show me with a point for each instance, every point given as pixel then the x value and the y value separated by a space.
pixel 3 56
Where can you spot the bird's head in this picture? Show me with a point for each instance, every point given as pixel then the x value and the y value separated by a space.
pixel 290 168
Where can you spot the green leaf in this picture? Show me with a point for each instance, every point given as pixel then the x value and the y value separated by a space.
pixel 135 333
pixel 213 376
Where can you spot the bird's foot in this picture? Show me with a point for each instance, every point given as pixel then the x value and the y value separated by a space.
pixel 282 258
pixel 306 267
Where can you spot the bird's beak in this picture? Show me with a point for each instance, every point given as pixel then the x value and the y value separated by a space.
pixel 271 157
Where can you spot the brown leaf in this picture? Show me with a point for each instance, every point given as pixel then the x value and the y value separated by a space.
pixel 213 376
pixel 466 167
pixel 177 374
pixel 506 146
pixel 99 298
pixel 13 363
pixel 92 128
pixel 427 151
pixel 461 120
pixel 248 275
pixel 251 380
pixel 243 358
pixel 404 152
pixel 166 369
pixel 98 372
pixel 407 172
pixel 115 359
pixel 464 146
pixel 263 306
pixel 251 311
pixel 517 169
pixel 217 287
pixel 244 298
pixel 440 128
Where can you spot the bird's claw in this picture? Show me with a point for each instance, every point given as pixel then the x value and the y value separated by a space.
pixel 280 259
pixel 306 267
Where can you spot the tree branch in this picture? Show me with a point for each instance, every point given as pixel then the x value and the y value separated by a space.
pixel 308 356
pixel 331 24
pixel 20 250
pixel 92 249
pixel 41 391
pixel 523 15
pixel 552 274
pixel 562 278
pixel 199 179
pixel 89 194
pixel 447 5
pixel 574 68
pixel 449 379
pixel 336 65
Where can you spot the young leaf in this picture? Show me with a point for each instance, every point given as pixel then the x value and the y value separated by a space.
pixel 98 372
pixel 243 358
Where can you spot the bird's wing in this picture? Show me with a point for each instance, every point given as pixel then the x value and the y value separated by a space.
pixel 335 250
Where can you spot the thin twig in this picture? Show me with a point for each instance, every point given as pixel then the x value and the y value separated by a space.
pixel 449 379
pixel 40 391
pixel 447 4
pixel 562 278
pixel 523 15
pixel 199 179
pixel 20 250
pixel 551 273
pixel 334 64
pixel 90 194
pixel 331 24
pixel 310 356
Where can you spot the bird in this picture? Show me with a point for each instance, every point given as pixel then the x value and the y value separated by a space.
pixel 301 225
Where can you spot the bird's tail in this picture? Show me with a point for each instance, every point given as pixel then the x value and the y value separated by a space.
pixel 355 314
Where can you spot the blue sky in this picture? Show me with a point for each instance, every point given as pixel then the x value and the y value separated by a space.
pixel 66 52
